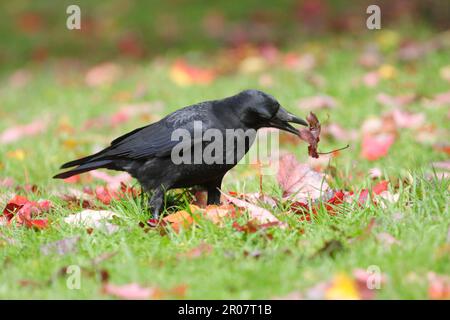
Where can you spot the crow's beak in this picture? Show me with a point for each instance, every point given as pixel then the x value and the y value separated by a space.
pixel 281 121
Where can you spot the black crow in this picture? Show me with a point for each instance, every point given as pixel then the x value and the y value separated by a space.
pixel 153 154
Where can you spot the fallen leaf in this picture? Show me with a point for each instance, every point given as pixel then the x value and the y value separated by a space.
pixel 438 286
pixel 17 132
pixel 182 218
pixel 342 287
pixel 217 214
pixel 409 120
pixel 255 213
pixel 132 291
pixel 380 187
pixel 298 181
pixel 103 74
pixel 23 211
pixel 93 219
pixel 396 101
pixel 185 74
pixel 377 146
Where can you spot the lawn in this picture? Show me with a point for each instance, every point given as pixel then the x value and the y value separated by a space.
pixel 406 239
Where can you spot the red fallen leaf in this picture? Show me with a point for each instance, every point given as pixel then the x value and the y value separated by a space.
pixel 363 196
pixel 380 187
pixel 21 209
pixel 304 208
pixel 312 134
pixel 443 148
pixel 105 195
pixel 37 223
pixel 17 132
pixel 337 199
pixel 13 206
pixel 438 286
pixel 185 74
pixel 376 146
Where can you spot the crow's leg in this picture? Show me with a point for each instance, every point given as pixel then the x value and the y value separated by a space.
pixel 213 191
pixel 156 201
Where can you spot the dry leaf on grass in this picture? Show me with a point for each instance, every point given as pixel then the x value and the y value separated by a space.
pixel 298 181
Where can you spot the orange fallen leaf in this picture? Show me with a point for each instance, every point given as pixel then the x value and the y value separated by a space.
pixel 181 219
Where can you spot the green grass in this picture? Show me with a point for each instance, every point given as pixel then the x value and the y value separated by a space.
pixel 288 262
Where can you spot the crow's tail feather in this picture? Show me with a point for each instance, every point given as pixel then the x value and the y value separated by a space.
pixel 85 160
pixel 83 168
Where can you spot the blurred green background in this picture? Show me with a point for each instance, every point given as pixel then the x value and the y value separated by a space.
pixel 35 31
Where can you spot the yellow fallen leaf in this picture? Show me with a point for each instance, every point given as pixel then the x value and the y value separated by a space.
pixel 70 144
pixel 18 154
pixel 388 39
pixel 387 71
pixel 342 288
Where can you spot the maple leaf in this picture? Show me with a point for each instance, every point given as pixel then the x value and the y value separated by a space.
pixel 23 211
pixel 311 135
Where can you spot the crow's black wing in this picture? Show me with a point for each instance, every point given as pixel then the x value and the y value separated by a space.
pixel 155 140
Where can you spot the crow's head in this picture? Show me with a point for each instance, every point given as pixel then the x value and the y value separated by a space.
pixel 258 110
